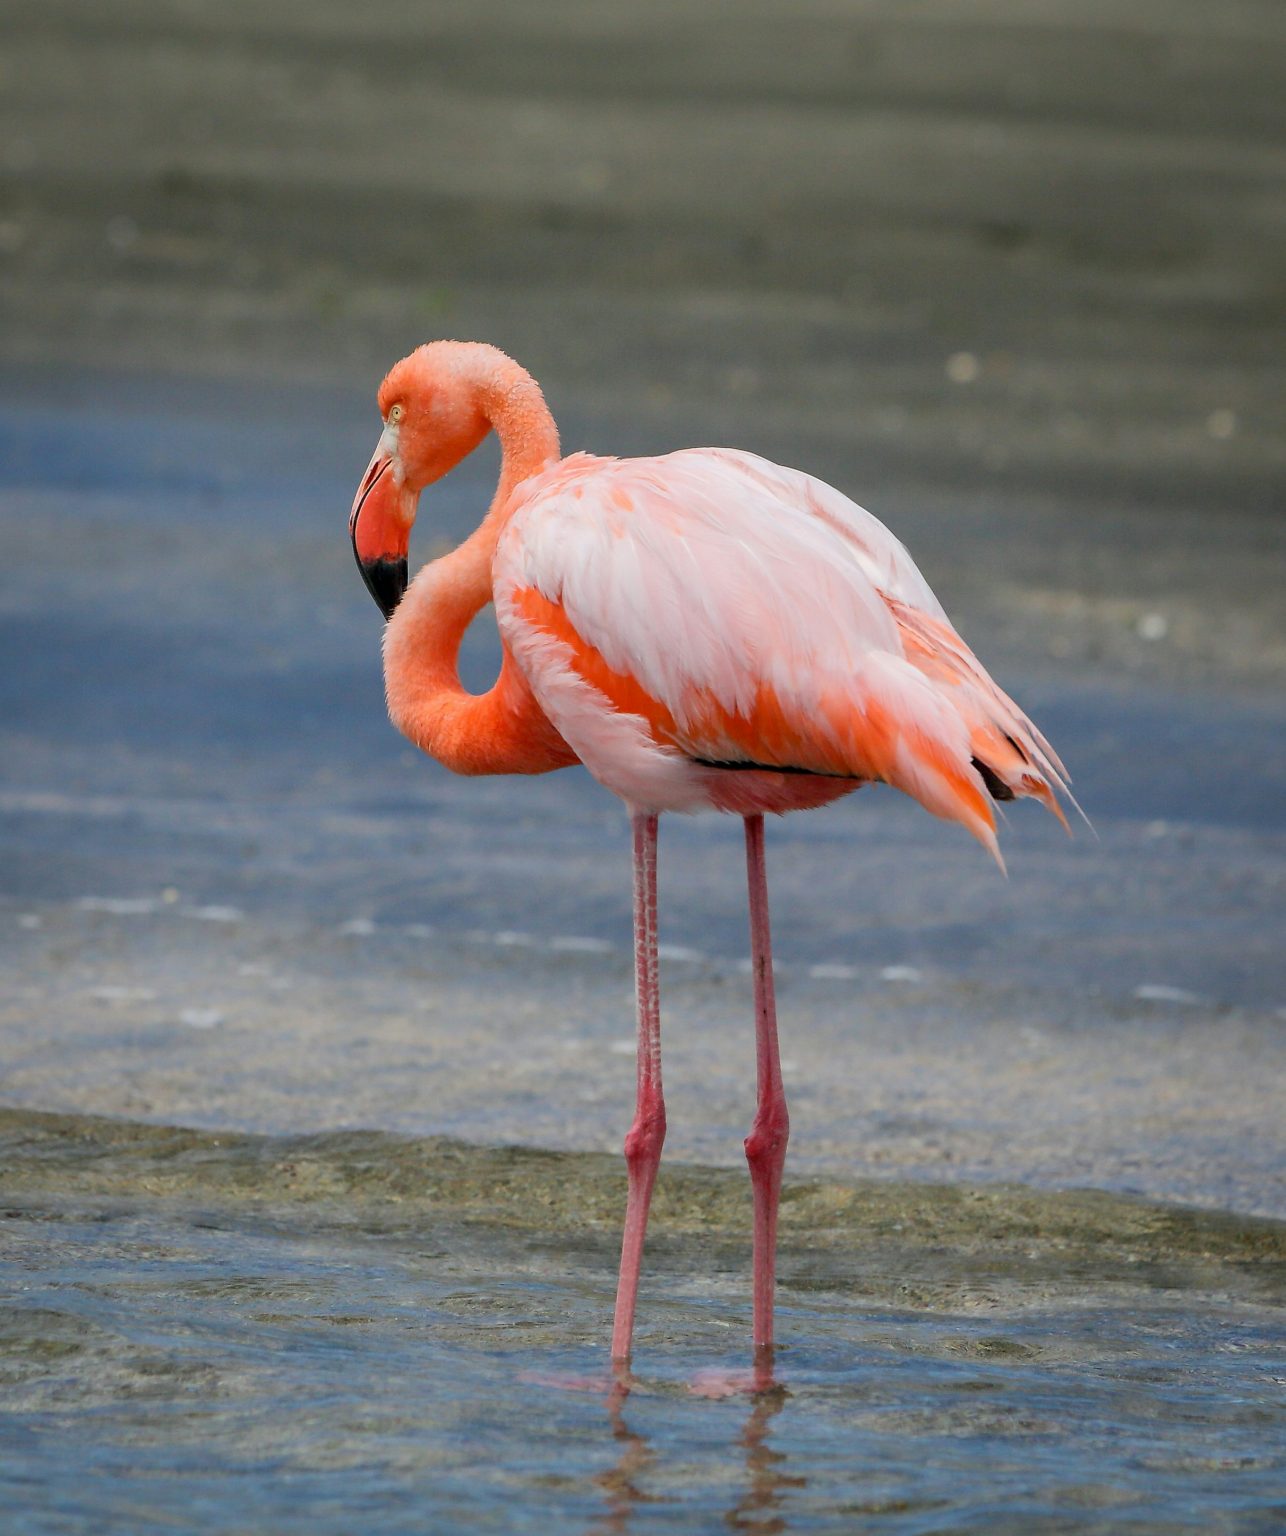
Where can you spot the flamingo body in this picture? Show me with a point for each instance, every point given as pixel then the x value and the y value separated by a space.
pixel 707 630
pixel 703 630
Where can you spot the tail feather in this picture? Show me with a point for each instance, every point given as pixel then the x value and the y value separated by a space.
pixel 1011 755
pixel 906 734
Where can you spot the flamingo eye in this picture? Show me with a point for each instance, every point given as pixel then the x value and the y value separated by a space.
pixel 395 414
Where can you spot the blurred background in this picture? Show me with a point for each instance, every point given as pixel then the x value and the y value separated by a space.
pixel 1008 273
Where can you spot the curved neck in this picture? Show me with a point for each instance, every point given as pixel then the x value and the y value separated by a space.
pixel 446 594
pixel 491 732
pixel 512 402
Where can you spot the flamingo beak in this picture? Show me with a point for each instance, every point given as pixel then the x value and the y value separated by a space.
pixel 380 528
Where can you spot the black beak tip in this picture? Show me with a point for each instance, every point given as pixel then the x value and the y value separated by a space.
pixel 386 582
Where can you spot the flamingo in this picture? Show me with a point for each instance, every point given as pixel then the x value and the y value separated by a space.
pixel 702 630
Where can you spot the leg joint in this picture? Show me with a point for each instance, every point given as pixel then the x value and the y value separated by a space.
pixel 644 1139
pixel 768 1136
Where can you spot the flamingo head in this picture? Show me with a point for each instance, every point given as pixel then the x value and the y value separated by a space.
pixel 433 418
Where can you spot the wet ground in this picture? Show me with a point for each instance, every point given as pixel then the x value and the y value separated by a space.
pixel 1012 279
pixel 314 1333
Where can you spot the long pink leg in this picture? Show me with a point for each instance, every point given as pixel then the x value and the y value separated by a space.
pixel 646 1135
pixel 766 1144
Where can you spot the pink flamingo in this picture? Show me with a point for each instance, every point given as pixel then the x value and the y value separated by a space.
pixel 700 630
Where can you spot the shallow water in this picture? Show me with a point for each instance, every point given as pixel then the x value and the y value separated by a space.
pixel 225 1333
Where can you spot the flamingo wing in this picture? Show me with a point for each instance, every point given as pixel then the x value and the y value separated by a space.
pixel 710 608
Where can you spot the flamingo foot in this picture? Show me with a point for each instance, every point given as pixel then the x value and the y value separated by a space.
pixel 718 1384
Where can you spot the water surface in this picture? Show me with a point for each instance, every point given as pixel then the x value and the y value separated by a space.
pixel 224 1334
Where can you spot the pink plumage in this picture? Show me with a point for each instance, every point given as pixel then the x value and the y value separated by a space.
pixel 704 630
pixel 710 630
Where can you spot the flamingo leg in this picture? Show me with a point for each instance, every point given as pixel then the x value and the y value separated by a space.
pixel 766 1144
pixel 645 1137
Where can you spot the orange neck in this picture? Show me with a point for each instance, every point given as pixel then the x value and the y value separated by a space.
pixel 502 730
